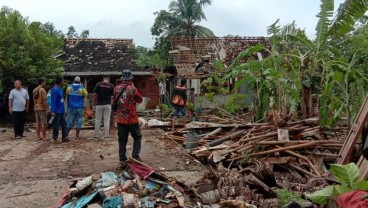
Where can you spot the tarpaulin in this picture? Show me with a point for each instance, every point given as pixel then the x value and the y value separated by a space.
pixel 141 171
pixel 112 202
pixel 81 202
pixel 354 199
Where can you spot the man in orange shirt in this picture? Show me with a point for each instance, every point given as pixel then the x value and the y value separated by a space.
pixel 40 108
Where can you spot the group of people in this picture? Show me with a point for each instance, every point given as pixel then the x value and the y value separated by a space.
pixel 121 100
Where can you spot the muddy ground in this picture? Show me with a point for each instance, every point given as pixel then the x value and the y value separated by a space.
pixel 35 174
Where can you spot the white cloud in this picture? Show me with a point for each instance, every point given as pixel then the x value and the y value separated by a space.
pixel 134 18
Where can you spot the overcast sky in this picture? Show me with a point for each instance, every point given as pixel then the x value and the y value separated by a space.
pixel 134 18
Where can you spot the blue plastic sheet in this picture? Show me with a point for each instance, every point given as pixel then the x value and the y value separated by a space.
pixel 146 202
pixel 113 202
pixel 107 179
pixel 150 185
pixel 81 202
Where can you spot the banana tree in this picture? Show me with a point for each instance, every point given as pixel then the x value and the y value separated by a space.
pixel 275 80
pixel 344 91
pixel 314 54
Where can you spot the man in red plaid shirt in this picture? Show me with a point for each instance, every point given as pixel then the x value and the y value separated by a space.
pixel 127 96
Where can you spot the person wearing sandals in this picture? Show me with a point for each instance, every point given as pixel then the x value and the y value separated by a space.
pixel 40 109
pixel 76 95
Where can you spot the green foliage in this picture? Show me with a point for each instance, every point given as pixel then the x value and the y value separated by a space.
pixel 161 77
pixel 27 48
pixel 84 34
pixel 72 33
pixel 148 58
pixel 273 78
pixel 235 103
pixel 326 12
pixel 215 83
pixel 347 176
pixel 321 196
pixel 284 197
pixel 164 108
pixel 348 14
pixel 210 96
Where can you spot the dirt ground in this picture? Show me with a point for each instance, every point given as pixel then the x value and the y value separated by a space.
pixel 35 173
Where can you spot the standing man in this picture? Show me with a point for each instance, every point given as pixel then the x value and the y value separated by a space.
pixel 18 106
pixel 127 96
pixel 179 100
pixel 40 108
pixel 76 94
pixel 104 92
pixel 58 111
pixel 162 86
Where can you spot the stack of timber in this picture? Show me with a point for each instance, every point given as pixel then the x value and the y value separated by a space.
pixel 300 147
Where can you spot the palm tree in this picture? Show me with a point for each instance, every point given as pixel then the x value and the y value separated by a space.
pixel 182 19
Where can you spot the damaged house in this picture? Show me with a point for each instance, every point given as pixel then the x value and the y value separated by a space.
pixel 92 59
pixel 193 57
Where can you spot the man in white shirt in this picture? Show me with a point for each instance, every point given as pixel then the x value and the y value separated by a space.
pixel 18 106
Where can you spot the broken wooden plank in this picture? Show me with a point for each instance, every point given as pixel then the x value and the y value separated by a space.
pixel 354 133
pixel 311 165
pixel 303 171
pixel 282 149
pixel 227 137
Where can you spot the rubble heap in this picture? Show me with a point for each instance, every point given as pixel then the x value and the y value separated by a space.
pixel 302 146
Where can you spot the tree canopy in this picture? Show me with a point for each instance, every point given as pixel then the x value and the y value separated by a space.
pixel 27 49
pixel 72 33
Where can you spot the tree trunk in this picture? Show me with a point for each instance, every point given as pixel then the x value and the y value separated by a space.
pixel 307 102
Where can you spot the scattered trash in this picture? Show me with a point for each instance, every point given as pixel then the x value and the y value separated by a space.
pixel 142 122
pixel 136 186
pixel 155 122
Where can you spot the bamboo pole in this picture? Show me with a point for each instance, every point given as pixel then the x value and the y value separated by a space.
pixel 282 149
pixel 305 159
pixel 303 171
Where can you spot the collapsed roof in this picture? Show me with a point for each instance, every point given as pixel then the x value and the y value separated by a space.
pixel 188 53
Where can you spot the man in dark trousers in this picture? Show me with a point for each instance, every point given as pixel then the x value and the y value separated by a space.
pixel 179 101
pixel 18 106
pixel 127 96
pixel 103 96
pixel 58 111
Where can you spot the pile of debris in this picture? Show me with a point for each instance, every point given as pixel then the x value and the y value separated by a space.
pixel 301 146
pixel 136 186
pixel 252 162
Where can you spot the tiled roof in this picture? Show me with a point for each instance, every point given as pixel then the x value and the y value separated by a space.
pixel 98 56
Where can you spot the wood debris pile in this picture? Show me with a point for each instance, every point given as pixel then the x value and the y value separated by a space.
pixel 300 147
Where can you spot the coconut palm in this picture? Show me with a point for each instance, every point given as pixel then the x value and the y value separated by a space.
pixel 182 19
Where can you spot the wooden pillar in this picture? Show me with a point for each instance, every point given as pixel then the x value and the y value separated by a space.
pixel 87 101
